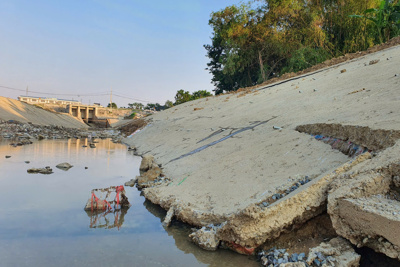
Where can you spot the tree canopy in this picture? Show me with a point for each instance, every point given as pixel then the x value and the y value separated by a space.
pixel 265 38
pixel 183 96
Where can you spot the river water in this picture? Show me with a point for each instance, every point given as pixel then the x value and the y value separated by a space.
pixel 42 221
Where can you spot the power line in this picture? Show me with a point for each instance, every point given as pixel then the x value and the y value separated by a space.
pixel 136 99
pixel 45 93
pixel 121 95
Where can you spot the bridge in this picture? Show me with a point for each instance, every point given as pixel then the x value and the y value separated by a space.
pixel 87 113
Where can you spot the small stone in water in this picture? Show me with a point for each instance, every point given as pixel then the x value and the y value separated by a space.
pixel 7 157
pixel 294 257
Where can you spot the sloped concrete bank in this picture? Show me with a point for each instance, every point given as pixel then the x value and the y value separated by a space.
pixel 245 168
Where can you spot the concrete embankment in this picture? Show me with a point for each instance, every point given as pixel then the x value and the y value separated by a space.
pixel 253 164
pixel 11 109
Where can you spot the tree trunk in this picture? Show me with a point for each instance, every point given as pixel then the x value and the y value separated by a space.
pixel 261 66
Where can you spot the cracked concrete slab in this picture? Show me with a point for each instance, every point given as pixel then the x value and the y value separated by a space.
pixel 245 180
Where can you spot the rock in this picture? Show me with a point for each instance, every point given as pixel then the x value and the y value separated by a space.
pixel 372 62
pixel 337 248
pixel 92 145
pixel 343 71
pixel 7 157
pixel 64 166
pixel 86 168
pixel 293 264
pixel 206 238
pixel 27 162
pixel 147 163
pixel 149 176
pixel 46 170
pixel 131 183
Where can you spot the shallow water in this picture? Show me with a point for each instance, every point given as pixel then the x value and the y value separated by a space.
pixel 42 221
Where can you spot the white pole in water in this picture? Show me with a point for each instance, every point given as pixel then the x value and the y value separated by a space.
pixel 26 90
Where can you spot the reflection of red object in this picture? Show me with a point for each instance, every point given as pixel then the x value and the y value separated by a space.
pixel 119 190
pixel 100 203
pixel 242 250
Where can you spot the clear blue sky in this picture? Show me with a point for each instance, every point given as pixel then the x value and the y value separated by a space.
pixel 141 49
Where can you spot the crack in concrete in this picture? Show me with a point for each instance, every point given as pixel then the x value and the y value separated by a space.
pixel 220 140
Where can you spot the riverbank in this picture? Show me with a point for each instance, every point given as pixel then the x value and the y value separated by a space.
pixel 252 163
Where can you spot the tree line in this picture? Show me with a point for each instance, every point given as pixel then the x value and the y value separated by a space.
pixel 181 96
pixel 262 39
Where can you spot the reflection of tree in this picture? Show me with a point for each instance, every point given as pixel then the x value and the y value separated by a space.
pixel 180 232
pixel 106 219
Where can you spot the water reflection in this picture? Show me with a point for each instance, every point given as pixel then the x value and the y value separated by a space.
pixel 180 232
pixel 45 226
pixel 106 219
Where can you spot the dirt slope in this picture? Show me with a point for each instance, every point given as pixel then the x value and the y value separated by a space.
pixel 11 109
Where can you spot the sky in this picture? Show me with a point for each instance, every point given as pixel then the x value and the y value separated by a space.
pixel 142 51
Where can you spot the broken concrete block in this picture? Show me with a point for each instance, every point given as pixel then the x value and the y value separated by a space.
pixel 374 222
pixel 254 225
pixel 337 252
pixel 147 163
pixel 168 217
pixel 206 238
pixel 360 207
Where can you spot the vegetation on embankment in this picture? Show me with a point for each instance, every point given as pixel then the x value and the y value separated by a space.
pixel 254 42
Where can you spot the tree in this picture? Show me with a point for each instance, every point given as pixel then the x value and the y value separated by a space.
pixel 168 104
pixel 182 97
pixel 154 106
pixel 200 94
pixel 136 105
pixel 112 105
pixel 386 18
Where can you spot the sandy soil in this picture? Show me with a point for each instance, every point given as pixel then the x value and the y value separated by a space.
pixel 233 173
pixel 11 109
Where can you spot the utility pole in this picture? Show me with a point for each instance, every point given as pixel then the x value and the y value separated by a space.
pixel 111 99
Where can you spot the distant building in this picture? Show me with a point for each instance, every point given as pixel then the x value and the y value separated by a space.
pixel 47 100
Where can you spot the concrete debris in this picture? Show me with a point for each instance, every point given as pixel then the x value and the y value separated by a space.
pixel 168 217
pixel 369 192
pixel 372 62
pixel 147 163
pixel 337 252
pixel 46 170
pixel 24 133
pixel 150 172
pixel 206 237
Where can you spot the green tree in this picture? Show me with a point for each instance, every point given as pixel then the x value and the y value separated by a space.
pixel 136 105
pixel 112 105
pixel 200 94
pixel 168 104
pixel 386 18
pixel 182 97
